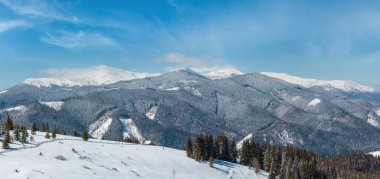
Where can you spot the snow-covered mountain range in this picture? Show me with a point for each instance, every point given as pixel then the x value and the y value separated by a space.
pixel 337 84
pixel 103 75
pixel 168 108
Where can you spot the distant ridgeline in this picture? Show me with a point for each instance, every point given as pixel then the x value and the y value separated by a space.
pixel 283 162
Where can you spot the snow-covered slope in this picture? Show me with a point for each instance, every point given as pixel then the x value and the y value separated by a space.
pixel 56 105
pixel 338 84
pixel 221 73
pixel 70 157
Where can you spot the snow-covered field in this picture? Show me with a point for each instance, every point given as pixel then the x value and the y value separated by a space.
pixel 70 157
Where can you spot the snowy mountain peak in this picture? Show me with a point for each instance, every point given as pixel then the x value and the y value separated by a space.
pixel 217 72
pixel 92 76
pixel 349 86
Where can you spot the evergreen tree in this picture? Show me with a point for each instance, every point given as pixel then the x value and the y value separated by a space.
pixel 34 128
pixel 288 171
pixel 24 135
pixel 189 148
pixel 268 158
pixel 16 134
pixel 275 165
pixel 85 136
pixel 47 135
pixel 208 146
pixel 31 138
pixel 63 132
pixel 6 140
pixel 8 124
pixel 199 149
pixel 54 133
pixel 233 151
pixel 294 170
pixel 223 150
pixel 74 133
pixel 245 156
pixel 284 163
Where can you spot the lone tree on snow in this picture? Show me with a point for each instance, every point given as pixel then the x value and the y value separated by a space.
pixel 85 136
pixel 34 128
pixel 47 136
pixel 6 140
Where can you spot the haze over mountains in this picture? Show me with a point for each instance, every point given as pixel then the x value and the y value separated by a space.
pixel 328 117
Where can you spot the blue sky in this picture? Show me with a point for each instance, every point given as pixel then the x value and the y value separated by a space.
pixel 315 39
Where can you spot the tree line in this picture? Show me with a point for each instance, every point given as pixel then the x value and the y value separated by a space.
pixel 283 162
pixel 20 133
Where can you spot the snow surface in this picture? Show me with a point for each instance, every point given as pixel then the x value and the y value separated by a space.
pixel 221 73
pixel 152 112
pixel 173 89
pixel 338 84
pixel 314 102
pixel 130 129
pixel 372 120
pixel 193 90
pixel 21 108
pixel 376 153
pixel 377 111
pixel 70 157
pixel 56 105
pixel 2 92
pixel 100 127
pixel 285 137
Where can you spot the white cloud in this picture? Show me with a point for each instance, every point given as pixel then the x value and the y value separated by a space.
pixel 95 75
pixel 7 25
pixel 181 60
pixel 38 8
pixel 80 40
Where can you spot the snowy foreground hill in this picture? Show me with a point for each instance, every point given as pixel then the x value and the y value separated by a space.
pixel 70 157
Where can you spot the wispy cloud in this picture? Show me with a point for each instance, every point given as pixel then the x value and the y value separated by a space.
pixel 39 9
pixel 79 40
pixel 7 25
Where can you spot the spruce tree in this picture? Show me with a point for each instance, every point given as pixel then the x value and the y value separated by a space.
pixel 294 169
pixel 275 165
pixel 54 133
pixel 208 146
pixel 245 155
pixel 63 132
pixel 74 133
pixel 6 140
pixel 34 128
pixel 233 151
pixel 268 158
pixel 16 134
pixel 85 136
pixel 284 163
pixel 189 148
pixel 24 135
pixel 199 149
pixel 47 135
pixel 8 124
pixel 31 138
pixel 223 150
